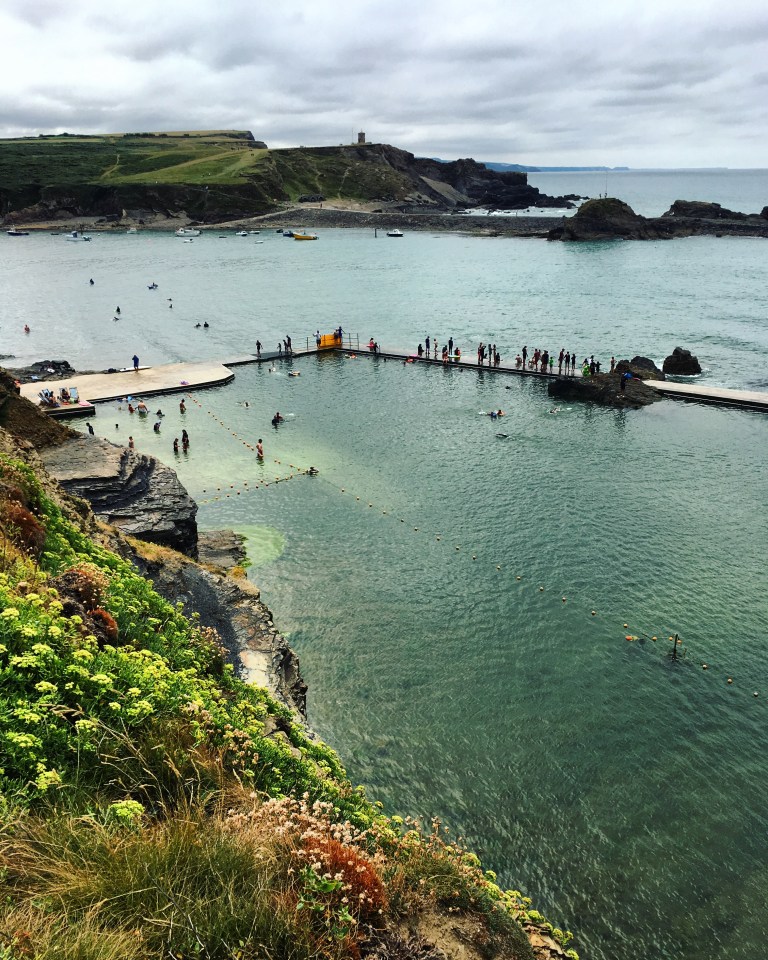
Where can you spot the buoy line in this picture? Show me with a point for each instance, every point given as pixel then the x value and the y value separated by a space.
pixel 223 494
pixel 676 654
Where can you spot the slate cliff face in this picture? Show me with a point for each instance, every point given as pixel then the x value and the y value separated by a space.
pixel 139 495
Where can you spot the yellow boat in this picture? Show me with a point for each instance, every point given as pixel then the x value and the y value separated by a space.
pixel 305 236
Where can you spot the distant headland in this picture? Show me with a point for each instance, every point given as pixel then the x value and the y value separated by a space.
pixel 166 180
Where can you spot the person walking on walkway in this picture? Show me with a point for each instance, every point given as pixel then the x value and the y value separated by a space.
pixel 135 362
pixel 525 358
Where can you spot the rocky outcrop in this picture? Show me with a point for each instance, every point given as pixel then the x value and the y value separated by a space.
pixel 44 370
pixel 232 606
pixel 682 363
pixel 135 492
pixel 603 389
pixel 640 367
pixel 607 219
pixel 610 219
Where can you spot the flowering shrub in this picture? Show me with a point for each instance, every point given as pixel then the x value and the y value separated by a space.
pixel 70 705
pixel 24 529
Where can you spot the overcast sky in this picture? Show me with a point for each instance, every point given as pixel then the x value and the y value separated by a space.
pixel 664 83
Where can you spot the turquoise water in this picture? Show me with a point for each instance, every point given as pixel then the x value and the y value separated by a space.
pixel 623 792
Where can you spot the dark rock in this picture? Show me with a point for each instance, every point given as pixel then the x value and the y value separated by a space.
pixel 136 493
pixel 610 219
pixel 604 389
pixel 682 363
pixel 245 625
pixel 607 219
pixel 44 370
pixel 640 367
pixel 702 210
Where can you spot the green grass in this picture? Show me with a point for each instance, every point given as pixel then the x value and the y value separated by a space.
pixel 209 158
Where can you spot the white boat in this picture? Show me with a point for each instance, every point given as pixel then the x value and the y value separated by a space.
pixel 17 233
pixel 187 232
pixel 241 233
pixel 254 233
pixel 394 233
pixel 132 230
pixel 76 235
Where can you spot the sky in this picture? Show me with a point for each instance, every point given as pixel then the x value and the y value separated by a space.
pixel 662 83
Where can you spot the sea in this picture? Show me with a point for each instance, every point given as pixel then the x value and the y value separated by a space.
pixel 483 608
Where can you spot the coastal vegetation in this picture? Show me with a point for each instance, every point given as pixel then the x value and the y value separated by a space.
pixel 215 175
pixel 153 805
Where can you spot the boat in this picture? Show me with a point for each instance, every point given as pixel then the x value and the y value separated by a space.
pixel 394 233
pixel 254 233
pixel 305 236
pixel 132 230
pixel 187 232
pixel 241 233
pixel 76 235
pixel 287 233
pixel 17 233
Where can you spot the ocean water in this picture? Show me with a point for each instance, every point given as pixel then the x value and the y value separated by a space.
pixel 623 791
pixel 652 192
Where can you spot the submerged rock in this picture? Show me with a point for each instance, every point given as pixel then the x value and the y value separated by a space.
pixel 604 389
pixel 682 363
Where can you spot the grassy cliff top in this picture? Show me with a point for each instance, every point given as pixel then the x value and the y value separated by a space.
pixel 198 158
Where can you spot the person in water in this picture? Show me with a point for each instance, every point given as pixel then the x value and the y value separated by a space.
pixel 260 449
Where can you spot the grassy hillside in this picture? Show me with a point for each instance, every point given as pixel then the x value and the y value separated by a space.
pixel 129 165
pixel 121 158
pixel 153 806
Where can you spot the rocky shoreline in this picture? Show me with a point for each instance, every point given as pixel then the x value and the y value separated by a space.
pixel 603 219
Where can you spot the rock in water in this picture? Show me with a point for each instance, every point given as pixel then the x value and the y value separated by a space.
pixel 607 219
pixel 604 389
pixel 640 367
pixel 682 363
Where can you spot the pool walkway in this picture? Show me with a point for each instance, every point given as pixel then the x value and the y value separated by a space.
pixel 181 377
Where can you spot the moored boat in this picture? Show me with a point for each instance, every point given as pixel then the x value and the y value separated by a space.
pixel 305 236
pixel 395 233
pixel 76 235
pixel 187 232
pixel 17 233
